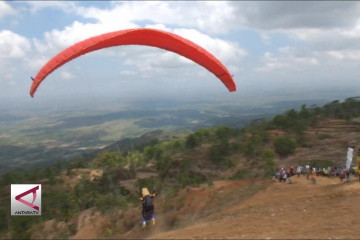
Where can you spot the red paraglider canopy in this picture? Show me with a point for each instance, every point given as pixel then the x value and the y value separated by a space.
pixel 141 36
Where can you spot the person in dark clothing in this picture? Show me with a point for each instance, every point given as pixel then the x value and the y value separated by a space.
pixel 147 207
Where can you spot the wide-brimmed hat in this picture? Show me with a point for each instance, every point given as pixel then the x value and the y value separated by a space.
pixel 144 192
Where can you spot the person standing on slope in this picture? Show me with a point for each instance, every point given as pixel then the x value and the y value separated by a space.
pixel 313 175
pixel 349 158
pixel 307 171
pixel 147 207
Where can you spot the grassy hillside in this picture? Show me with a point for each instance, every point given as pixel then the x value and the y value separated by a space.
pixel 108 183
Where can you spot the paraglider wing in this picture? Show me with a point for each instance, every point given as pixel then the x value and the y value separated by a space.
pixel 141 36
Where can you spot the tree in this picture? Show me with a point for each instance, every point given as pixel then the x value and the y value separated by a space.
pixel 268 156
pixel 108 160
pixel 222 133
pixel 107 202
pixel 191 141
pixel 163 165
pixel 284 146
pixel 252 146
pixel 135 158
pixel 304 113
pixel 281 121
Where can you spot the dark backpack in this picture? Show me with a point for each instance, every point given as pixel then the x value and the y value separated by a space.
pixel 148 202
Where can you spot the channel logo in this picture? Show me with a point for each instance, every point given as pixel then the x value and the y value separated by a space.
pixel 25 199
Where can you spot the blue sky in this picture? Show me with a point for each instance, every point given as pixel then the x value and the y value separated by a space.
pixel 270 47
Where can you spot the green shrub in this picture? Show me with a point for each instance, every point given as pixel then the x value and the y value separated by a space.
pixel 243 174
pixel 268 156
pixel 222 133
pixel 252 146
pixel 217 154
pixel 20 226
pixel 190 178
pixel 191 141
pixel 153 184
pixel 163 165
pixel 107 202
pixel 3 223
pixel 108 160
pixel 284 146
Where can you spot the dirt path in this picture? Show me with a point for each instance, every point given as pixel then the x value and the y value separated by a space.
pixel 282 211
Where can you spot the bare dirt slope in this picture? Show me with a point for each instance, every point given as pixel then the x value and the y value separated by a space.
pixel 256 209
pixel 327 141
pixel 301 210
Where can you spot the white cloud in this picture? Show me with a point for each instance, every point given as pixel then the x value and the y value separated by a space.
pixel 210 17
pixel 312 39
pixel 224 50
pixel 127 73
pixel 345 55
pixel 57 40
pixel 13 51
pixel 290 63
pixel 35 62
pixel 282 15
pixel 67 75
pixel 13 45
pixel 333 38
pixel 6 9
pixel 7 73
pixel 66 6
pixel 148 61
pixel 318 29
pixel 315 46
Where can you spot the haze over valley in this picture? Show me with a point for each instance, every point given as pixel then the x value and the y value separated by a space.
pixel 37 133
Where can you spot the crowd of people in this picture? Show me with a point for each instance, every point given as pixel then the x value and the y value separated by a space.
pixel 344 172
pixel 311 173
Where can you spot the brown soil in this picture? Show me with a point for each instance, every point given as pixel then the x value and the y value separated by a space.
pixel 246 209
pixel 300 210
pixel 242 209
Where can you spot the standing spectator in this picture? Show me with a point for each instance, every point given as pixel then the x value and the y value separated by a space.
pixel 313 175
pixel 342 174
pixel 291 171
pixel 307 171
pixel 284 175
pixel 349 157
pixel 298 171
pixel 348 175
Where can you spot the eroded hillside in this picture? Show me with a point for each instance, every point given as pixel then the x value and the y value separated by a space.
pixel 230 196
pixel 249 209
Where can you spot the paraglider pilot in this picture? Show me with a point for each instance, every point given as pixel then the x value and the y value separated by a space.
pixel 147 207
